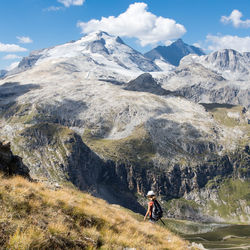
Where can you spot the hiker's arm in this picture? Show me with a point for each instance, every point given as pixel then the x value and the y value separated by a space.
pixel 146 215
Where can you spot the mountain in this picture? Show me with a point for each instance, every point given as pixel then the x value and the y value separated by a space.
pixel 230 63
pixel 202 84
pixel 75 115
pixel 98 55
pixel 174 52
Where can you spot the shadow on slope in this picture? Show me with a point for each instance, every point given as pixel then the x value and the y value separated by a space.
pixel 210 106
pixel 9 91
pixel 64 113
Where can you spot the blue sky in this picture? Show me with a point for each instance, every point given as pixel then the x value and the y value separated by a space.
pixel 27 25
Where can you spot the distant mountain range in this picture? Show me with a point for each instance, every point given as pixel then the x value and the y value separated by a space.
pixel 174 52
pixel 228 62
pixel 112 49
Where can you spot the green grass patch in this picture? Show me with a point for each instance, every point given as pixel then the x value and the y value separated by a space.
pixel 181 203
pixel 136 148
pixel 233 195
pixel 220 114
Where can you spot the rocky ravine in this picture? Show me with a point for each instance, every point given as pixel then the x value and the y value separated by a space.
pixel 119 140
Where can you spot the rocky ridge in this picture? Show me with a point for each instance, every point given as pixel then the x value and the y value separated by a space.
pixel 199 83
pixel 229 63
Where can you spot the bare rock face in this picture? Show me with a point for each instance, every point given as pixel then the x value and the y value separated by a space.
pixel 11 164
pixel 229 63
pixel 146 83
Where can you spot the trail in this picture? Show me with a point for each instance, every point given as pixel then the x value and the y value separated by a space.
pixel 239 247
pixel 234 236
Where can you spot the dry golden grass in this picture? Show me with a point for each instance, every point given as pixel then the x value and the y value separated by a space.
pixel 34 216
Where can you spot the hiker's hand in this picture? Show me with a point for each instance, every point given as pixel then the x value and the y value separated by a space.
pixel 145 218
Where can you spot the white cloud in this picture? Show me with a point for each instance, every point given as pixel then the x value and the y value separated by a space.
pixel 139 23
pixel 241 44
pixel 11 48
pixel 235 19
pixel 197 45
pixel 53 8
pixel 24 39
pixel 12 66
pixel 68 3
pixel 11 57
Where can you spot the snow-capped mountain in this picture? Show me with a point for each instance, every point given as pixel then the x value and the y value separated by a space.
pixel 97 54
pixel 228 62
pixel 173 53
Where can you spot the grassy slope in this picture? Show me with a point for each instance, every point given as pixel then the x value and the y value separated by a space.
pixel 136 148
pixel 34 216
pixel 234 195
pixel 232 118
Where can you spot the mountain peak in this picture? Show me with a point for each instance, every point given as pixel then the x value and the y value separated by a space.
pixel 119 40
pixel 227 51
pixel 94 50
pixel 97 35
pixel 174 52
pixel 101 32
pixel 178 42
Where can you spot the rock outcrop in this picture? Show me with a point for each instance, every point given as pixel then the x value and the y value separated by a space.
pixel 11 164
pixel 146 83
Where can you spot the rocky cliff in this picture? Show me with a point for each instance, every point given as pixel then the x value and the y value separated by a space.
pixel 11 164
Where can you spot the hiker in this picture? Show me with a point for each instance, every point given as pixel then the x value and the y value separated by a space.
pixel 154 209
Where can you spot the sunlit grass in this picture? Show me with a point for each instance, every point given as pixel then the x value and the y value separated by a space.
pixel 38 217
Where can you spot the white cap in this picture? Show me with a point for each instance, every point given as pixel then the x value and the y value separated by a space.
pixel 150 193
